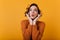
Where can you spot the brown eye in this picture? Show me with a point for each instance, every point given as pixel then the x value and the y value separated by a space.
pixel 36 10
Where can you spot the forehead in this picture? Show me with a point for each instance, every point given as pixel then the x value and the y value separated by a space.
pixel 33 7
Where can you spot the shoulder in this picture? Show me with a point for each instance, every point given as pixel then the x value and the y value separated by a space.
pixel 24 21
pixel 24 24
pixel 40 23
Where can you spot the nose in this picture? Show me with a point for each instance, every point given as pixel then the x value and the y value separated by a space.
pixel 33 12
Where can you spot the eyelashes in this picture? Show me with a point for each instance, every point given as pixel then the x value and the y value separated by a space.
pixel 34 10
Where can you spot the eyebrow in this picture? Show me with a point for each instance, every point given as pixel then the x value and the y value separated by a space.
pixel 34 8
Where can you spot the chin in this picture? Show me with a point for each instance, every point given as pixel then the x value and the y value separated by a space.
pixel 32 17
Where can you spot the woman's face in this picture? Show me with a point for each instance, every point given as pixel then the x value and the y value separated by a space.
pixel 33 12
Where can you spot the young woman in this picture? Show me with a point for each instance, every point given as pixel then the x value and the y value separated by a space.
pixel 32 28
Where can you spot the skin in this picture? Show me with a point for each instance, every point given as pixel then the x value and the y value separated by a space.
pixel 36 34
pixel 33 12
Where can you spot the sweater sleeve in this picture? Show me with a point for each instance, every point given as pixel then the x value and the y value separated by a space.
pixel 41 30
pixel 38 31
pixel 26 28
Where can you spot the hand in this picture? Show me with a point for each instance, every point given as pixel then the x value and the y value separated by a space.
pixel 30 20
pixel 34 21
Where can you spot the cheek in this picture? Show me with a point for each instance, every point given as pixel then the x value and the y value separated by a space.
pixel 35 13
pixel 30 13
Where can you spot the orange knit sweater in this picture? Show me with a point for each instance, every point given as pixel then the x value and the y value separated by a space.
pixel 32 32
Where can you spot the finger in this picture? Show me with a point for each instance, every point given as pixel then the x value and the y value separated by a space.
pixel 27 15
pixel 38 15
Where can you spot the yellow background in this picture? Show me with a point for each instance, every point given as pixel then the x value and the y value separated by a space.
pixel 12 13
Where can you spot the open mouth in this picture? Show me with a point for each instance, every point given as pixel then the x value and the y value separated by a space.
pixel 32 15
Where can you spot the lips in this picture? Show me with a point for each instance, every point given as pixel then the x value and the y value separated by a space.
pixel 32 15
